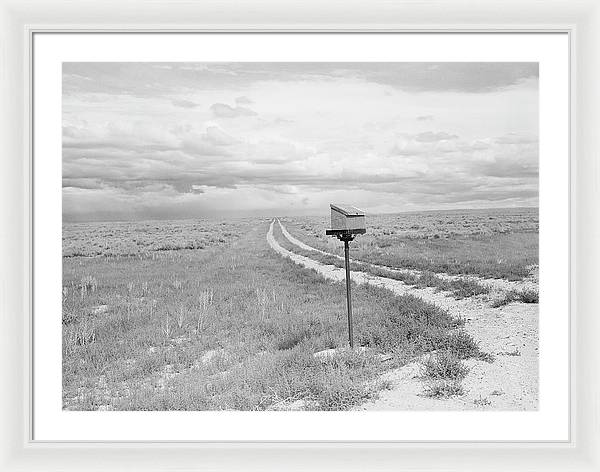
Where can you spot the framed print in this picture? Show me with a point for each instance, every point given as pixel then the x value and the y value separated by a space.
pixel 362 240
pixel 173 163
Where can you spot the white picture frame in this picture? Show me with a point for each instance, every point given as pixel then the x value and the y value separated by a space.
pixel 581 20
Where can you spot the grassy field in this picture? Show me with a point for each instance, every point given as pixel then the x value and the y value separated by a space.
pixel 459 288
pixel 488 243
pixel 203 315
pixel 146 238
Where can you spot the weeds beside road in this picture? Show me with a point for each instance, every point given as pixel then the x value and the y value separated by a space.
pixel 509 382
pixel 230 327
pixel 499 244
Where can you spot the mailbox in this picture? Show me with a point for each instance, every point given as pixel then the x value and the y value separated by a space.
pixel 346 222
pixel 347 218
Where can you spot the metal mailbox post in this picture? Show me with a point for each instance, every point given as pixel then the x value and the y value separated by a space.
pixel 346 222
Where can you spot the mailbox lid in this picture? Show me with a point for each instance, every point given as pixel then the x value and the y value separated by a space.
pixel 346 217
pixel 346 210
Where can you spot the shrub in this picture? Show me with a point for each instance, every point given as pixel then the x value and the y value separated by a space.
pixel 336 389
pixel 298 332
pixel 443 373
pixel 525 296
pixel 529 296
pixel 292 339
pixel 429 279
pixel 444 389
pixel 445 366
pixel 462 345
pixel 408 324
pixel 464 288
pixel 505 300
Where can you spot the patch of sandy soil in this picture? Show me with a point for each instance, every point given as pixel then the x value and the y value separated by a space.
pixel 497 285
pixel 509 333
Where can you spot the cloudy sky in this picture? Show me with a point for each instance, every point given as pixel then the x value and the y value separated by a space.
pixel 186 140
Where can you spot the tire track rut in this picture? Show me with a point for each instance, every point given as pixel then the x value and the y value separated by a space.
pixel 499 285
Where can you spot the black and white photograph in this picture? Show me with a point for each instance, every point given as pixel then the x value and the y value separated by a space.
pixel 300 236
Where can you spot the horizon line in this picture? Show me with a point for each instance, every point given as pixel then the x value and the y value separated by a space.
pixel 278 215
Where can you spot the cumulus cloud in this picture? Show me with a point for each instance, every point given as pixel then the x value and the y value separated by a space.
pixel 476 145
pixel 408 148
pixel 282 121
pixel 165 79
pixel 218 137
pixel 124 153
pixel 506 168
pixel 222 110
pixel 213 141
pixel 202 148
pixel 516 138
pixel 83 183
pixel 184 103
pixel 119 135
pixel 430 136
pixel 243 101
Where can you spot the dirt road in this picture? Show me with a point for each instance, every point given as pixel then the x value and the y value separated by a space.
pixel 498 285
pixel 509 333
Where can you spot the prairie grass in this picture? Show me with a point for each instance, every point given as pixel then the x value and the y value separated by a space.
pixel 145 238
pixel 260 383
pixel 459 288
pixel 487 243
pixel 444 365
pixel 443 375
pixel 528 296
pixel 524 296
pixel 232 326
pixel 444 389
